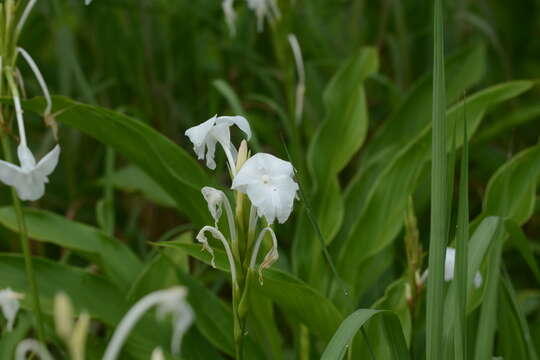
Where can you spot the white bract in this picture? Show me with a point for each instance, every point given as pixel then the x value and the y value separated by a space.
pixel 29 178
pixel 264 8
pixel 9 303
pixel 268 182
pixel 216 130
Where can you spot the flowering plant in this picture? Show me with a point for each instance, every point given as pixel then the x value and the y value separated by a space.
pixel 263 183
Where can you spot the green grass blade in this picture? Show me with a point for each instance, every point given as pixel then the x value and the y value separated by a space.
pixel 439 196
pixel 353 323
pixel 462 240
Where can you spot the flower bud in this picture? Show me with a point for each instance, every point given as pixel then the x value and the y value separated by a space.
pixel 63 316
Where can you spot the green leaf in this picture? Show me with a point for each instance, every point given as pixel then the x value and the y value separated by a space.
pixel 439 197
pixel 132 179
pixel 166 163
pixel 118 261
pixel 341 340
pixel 289 293
pixel 344 129
pixel 487 324
pixel 516 182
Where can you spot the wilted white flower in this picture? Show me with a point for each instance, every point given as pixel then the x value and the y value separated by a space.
pixel 9 303
pixel 216 130
pixel 29 178
pixel 215 198
pixel 201 237
pixel 271 257
pixel 169 302
pixel 268 182
pixel 264 8
pixel 449 264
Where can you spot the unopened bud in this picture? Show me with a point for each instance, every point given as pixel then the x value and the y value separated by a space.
pixel 242 155
pixel 78 339
pixel 63 316
pixel 157 354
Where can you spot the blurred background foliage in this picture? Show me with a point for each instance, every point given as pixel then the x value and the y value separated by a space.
pixel 172 64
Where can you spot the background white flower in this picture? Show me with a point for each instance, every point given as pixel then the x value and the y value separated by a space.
pixel 29 178
pixel 264 8
pixel 268 182
pixel 449 264
pixel 9 303
pixel 216 130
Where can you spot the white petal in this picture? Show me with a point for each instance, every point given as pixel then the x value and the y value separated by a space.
pixel 449 263
pixel 48 163
pixel 214 198
pixel 26 157
pixel 10 174
pixel 239 121
pixel 286 192
pixel 198 134
pixel 478 279
pixel 31 187
pixel 210 153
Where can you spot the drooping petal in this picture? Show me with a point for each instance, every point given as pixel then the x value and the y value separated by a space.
pixel 10 174
pixel 214 199
pixel 239 121
pixel 198 135
pixel 286 191
pixel 48 163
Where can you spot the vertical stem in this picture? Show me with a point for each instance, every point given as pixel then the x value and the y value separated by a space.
pixel 439 197
pixel 23 235
pixel 109 192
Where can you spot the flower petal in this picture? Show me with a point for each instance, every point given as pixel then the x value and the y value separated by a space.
pixel 214 199
pixel 26 157
pixel 239 121
pixel 48 163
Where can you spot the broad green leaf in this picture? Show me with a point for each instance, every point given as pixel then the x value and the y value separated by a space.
pixel 166 163
pixel 347 120
pixel 133 179
pixel 118 261
pixel 395 300
pixel 516 182
pixel 344 129
pixel 343 337
pixel 289 293
pixel 406 123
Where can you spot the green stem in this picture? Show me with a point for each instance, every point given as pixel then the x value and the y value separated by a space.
pixel 23 234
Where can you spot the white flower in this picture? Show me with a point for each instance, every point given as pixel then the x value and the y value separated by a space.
pixel 449 265
pixel 216 130
pixel 29 178
pixel 157 354
pixel 170 301
pixel 32 346
pixel 264 8
pixel 9 303
pixel 268 183
pixel 230 15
